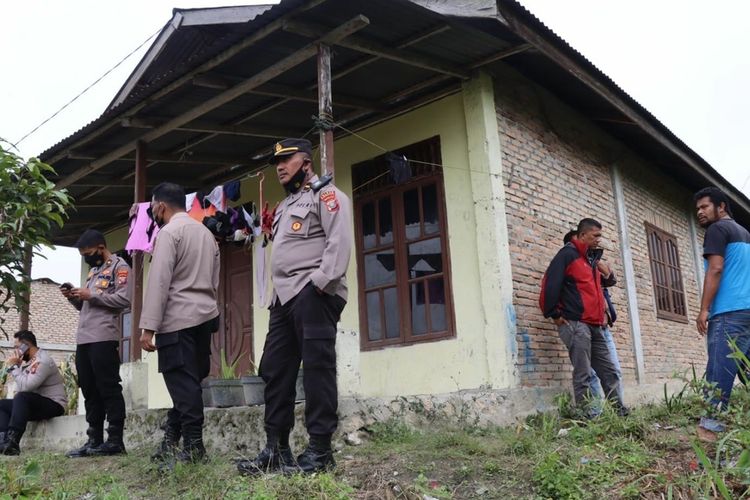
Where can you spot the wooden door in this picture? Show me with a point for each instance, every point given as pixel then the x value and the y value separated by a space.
pixel 235 335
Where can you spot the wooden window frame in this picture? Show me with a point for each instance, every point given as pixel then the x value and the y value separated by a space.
pixel 123 338
pixel 403 281
pixel 673 271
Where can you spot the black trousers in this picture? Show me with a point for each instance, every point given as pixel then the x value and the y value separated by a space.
pixel 184 361
pixel 26 407
pixel 303 329
pixel 98 367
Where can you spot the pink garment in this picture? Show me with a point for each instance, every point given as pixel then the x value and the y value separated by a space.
pixel 138 237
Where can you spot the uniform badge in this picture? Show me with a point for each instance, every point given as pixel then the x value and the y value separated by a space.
pixel 296 226
pixel 329 200
pixel 33 367
pixel 122 277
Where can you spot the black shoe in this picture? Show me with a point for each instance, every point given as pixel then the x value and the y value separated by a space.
pixel 193 451
pixel 623 411
pixel 11 445
pixel 169 446
pixel 114 444
pixel 268 460
pixel 96 438
pixel 312 460
pixel 108 448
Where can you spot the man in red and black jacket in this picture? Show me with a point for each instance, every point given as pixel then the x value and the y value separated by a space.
pixel 572 296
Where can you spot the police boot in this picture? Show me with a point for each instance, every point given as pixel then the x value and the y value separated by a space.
pixel 317 457
pixel 192 451
pixel 96 438
pixel 169 445
pixel 276 455
pixel 11 445
pixel 114 444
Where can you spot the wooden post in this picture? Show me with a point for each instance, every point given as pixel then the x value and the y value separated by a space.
pixel 136 303
pixel 26 309
pixel 325 108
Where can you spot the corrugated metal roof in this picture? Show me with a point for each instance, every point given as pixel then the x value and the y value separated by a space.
pixel 468 39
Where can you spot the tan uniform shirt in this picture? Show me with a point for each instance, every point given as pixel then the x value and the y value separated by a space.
pixel 110 286
pixel 40 375
pixel 183 278
pixel 312 241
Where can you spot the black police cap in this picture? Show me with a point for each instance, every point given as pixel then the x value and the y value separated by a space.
pixel 287 147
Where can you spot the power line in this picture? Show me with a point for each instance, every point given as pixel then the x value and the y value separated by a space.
pixel 89 87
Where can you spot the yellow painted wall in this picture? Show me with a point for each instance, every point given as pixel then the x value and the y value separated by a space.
pixel 435 367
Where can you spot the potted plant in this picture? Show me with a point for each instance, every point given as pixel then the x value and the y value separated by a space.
pixel 253 386
pixel 226 390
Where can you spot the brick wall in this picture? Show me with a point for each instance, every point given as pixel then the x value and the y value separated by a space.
pixel 557 170
pixel 53 320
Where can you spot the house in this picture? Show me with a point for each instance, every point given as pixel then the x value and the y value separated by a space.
pixel 511 135
pixel 52 319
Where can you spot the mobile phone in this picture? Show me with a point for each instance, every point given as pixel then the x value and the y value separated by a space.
pixel 22 348
pixel 66 286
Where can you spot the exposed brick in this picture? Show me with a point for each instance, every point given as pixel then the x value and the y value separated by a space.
pixel 556 169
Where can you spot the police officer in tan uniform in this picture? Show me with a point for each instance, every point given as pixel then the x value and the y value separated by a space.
pixel 180 308
pixel 104 296
pixel 312 244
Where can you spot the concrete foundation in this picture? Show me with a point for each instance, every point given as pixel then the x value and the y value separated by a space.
pixel 239 431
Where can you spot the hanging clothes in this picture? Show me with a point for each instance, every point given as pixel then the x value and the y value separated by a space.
pixel 143 230
pixel 261 278
pixel 189 199
pixel 198 213
pixel 217 199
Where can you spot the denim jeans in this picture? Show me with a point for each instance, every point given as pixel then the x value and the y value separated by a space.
pixel 595 384
pixel 722 370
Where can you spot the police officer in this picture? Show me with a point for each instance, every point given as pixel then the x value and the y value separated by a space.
pixel 312 244
pixel 180 307
pixel 104 296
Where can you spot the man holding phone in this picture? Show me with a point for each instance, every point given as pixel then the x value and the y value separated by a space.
pixel 105 294
pixel 40 392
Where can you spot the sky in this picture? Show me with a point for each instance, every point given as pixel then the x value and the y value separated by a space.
pixel 683 60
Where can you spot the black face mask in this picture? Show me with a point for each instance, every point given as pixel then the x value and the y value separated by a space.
pixel 94 260
pixel 158 221
pixel 296 182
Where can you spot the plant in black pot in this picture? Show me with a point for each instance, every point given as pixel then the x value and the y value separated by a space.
pixel 253 386
pixel 226 390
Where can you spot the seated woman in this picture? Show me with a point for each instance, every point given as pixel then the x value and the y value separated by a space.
pixel 40 392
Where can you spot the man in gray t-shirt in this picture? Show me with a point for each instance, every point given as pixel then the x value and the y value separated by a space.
pixel 40 392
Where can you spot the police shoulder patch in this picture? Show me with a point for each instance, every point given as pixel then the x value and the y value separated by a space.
pixel 329 200
pixel 122 276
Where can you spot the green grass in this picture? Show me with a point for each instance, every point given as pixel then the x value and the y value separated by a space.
pixel 653 453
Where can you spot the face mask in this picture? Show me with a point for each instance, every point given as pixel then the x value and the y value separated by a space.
pixel 157 220
pixel 94 260
pixel 295 183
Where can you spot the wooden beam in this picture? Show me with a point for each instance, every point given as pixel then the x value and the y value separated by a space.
pixel 325 108
pixel 285 64
pixel 136 303
pixel 279 90
pixel 362 44
pixel 199 126
pixel 256 37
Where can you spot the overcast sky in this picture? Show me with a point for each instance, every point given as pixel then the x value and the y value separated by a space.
pixel 685 61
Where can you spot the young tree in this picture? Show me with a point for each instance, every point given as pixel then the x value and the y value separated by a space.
pixel 29 206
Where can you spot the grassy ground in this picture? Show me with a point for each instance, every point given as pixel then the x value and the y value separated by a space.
pixel 654 453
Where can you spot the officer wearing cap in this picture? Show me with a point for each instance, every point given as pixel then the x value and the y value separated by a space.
pixel 312 244
pixel 104 296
